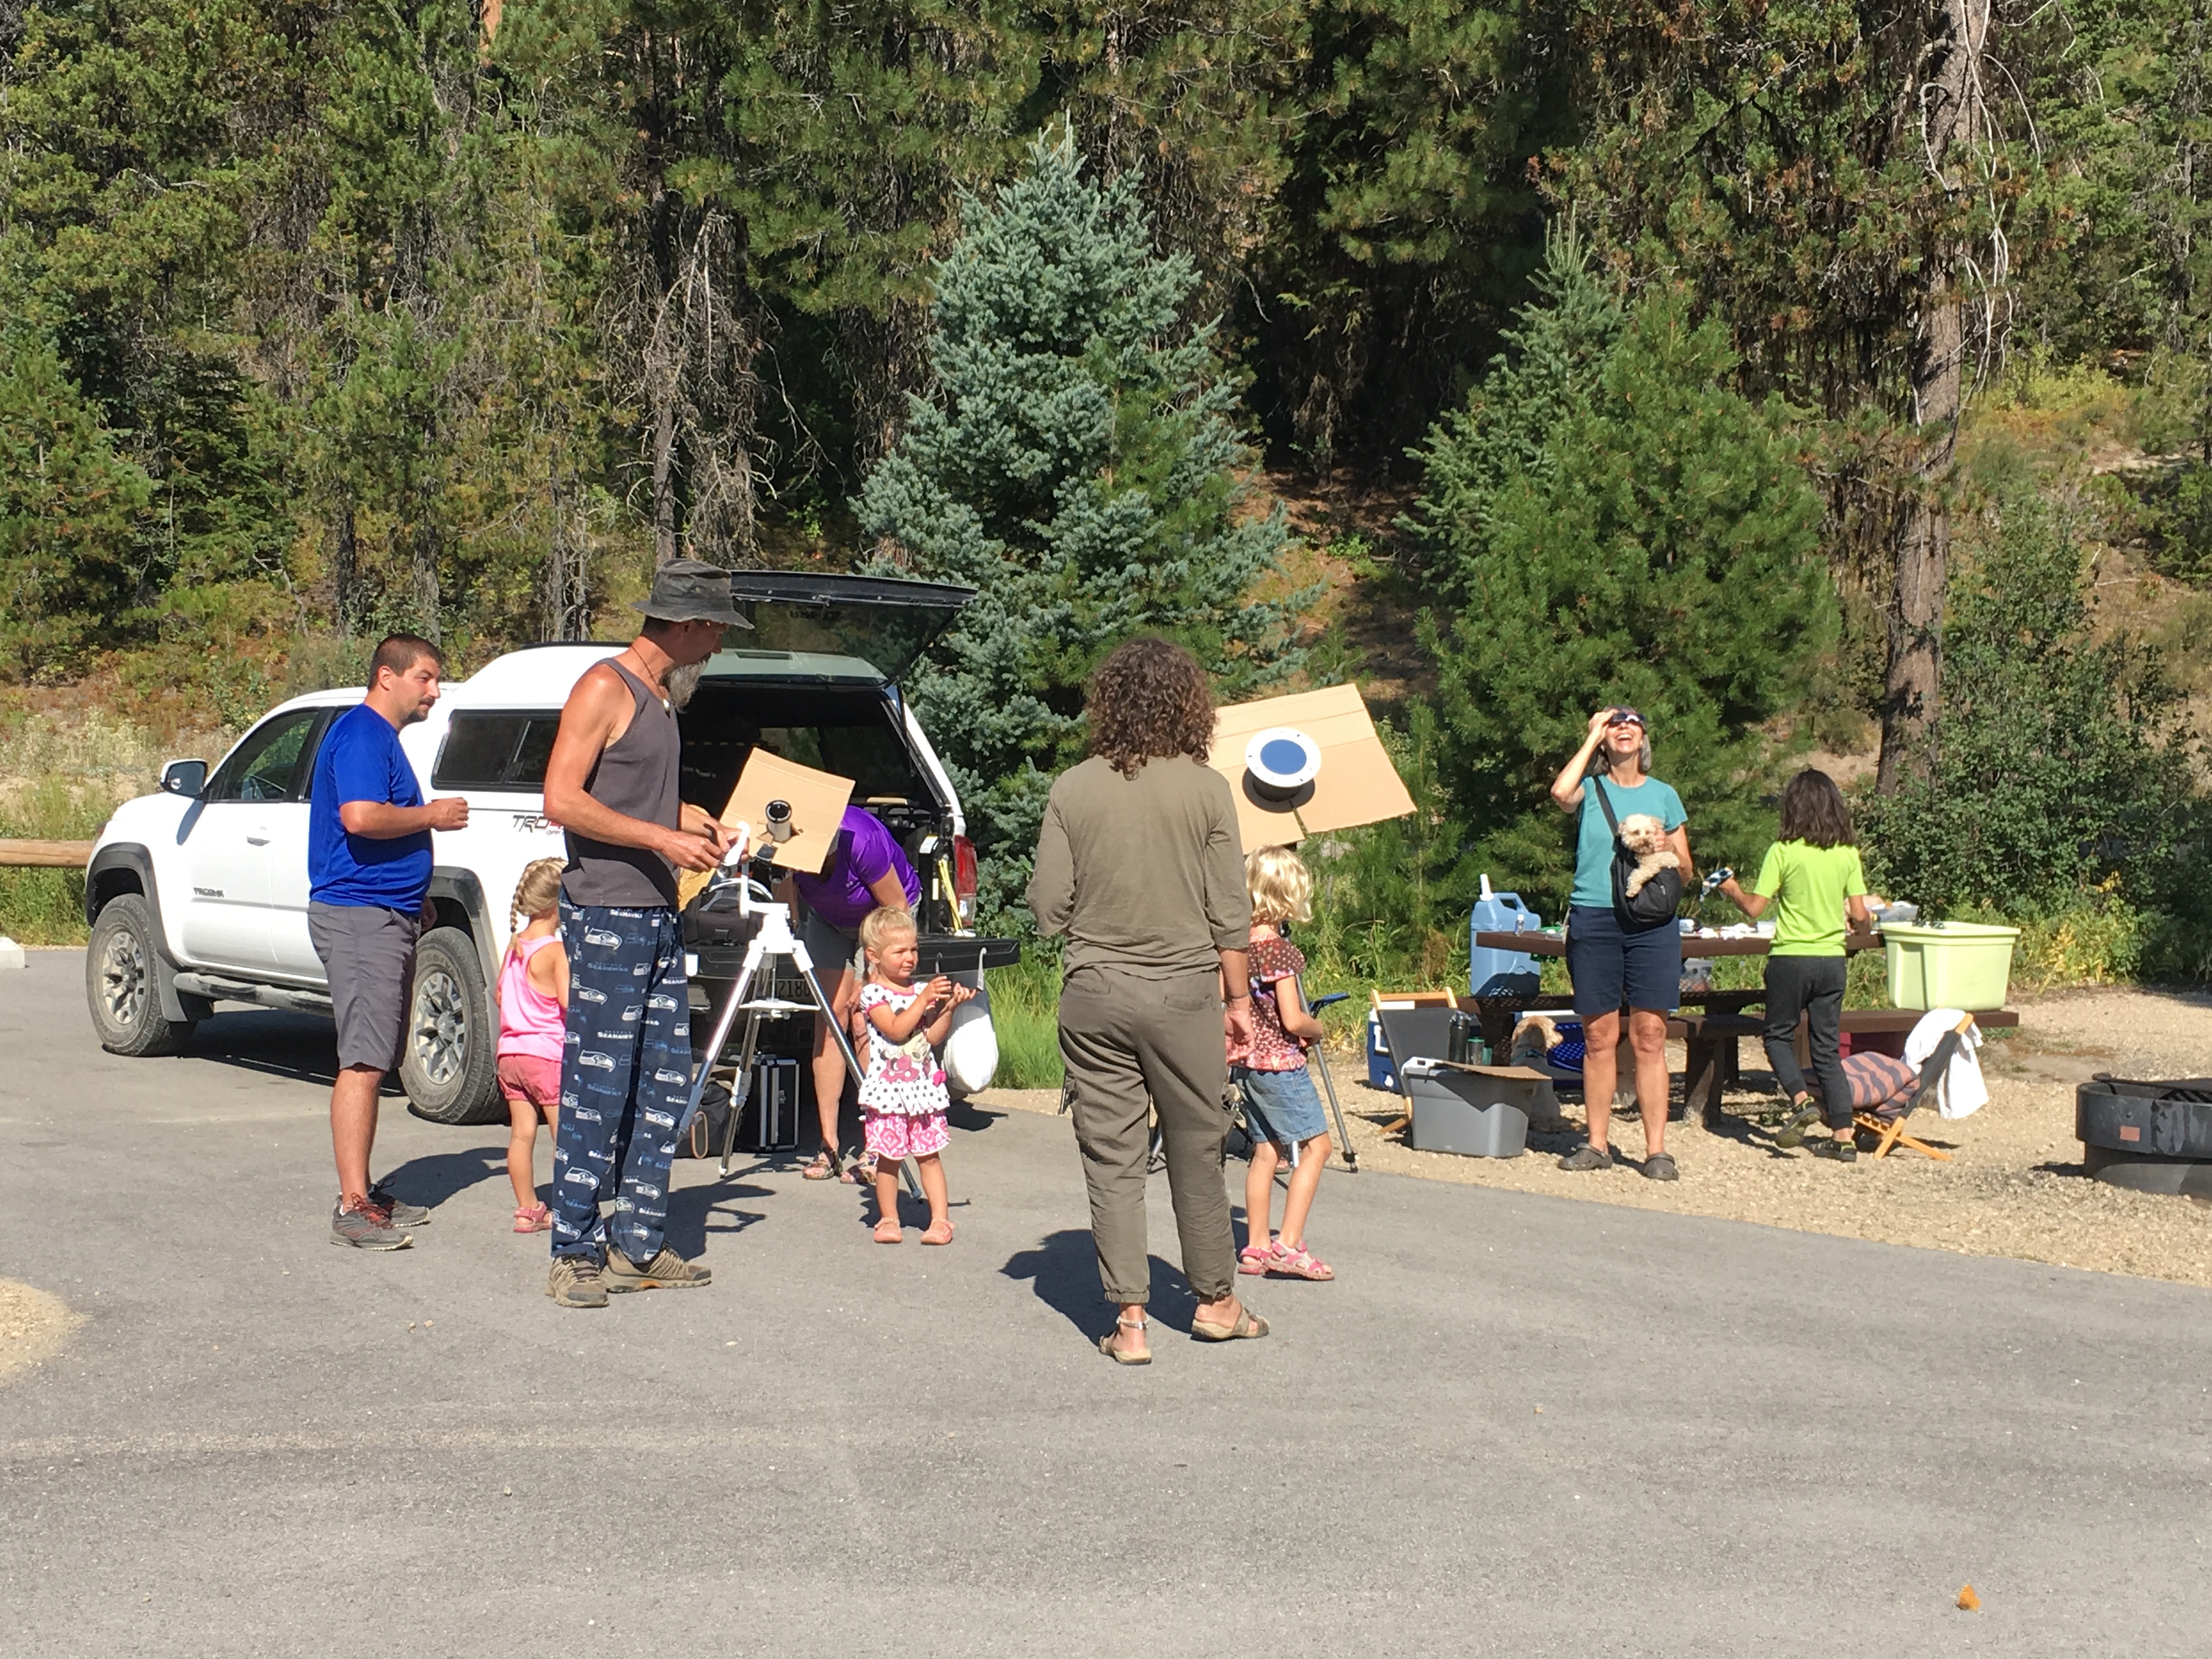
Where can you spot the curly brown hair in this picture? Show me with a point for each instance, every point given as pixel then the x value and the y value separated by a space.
pixel 1149 700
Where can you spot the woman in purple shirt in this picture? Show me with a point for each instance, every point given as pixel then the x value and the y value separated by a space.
pixel 866 868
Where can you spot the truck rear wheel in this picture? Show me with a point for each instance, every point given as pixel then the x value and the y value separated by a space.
pixel 119 984
pixel 448 1063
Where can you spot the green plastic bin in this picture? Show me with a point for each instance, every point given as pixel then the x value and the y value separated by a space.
pixel 1949 965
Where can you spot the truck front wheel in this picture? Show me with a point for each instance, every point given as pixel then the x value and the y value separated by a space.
pixel 119 984
pixel 449 1065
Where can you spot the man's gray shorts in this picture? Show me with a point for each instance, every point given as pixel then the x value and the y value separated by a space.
pixel 369 954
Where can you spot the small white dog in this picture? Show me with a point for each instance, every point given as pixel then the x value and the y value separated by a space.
pixel 1646 837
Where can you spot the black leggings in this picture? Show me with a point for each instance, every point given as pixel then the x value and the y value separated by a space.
pixel 1814 987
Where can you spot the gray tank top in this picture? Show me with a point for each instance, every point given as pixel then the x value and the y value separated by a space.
pixel 636 775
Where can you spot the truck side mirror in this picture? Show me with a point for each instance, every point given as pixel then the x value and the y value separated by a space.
pixel 184 777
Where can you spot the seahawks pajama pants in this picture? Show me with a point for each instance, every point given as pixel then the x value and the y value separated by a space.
pixel 625 1076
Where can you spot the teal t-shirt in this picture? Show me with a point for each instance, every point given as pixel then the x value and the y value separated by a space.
pixel 1593 836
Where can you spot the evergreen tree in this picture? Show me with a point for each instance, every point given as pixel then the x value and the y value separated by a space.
pixel 1612 524
pixel 2057 763
pixel 1077 464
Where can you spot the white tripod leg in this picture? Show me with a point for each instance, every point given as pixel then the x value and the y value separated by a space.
pixel 804 962
pixel 722 1024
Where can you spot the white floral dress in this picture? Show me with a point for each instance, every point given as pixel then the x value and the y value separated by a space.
pixel 903 1098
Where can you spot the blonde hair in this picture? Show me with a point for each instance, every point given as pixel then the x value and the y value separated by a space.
pixel 1280 885
pixel 538 890
pixel 884 923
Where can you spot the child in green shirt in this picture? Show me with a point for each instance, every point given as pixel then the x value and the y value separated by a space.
pixel 1812 876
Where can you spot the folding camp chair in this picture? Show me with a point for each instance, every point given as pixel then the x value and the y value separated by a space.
pixel 1422 1030
pixel 1891 1126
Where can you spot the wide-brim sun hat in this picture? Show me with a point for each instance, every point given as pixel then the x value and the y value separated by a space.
pixel 690 590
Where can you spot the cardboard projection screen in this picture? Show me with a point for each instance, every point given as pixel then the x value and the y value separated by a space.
pixel 1353 784
pixel 817 801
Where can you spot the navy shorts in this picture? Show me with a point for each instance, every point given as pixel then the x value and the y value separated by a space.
pixel 1282 1107
pixel 1612 969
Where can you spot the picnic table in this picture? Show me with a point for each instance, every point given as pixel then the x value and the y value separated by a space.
pixel 1499 1014
pixel 1713 1036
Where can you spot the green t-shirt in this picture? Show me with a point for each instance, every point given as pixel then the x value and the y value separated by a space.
pixel 1808 885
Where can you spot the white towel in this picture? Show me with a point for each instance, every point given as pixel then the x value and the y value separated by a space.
pixel 1959 1092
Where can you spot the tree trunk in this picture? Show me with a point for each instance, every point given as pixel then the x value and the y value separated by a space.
pixel 345 572
pixel 664 465
pixel 425 589
pixel 1952 130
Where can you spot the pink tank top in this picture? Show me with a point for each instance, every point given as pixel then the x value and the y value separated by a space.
pixel 530 1022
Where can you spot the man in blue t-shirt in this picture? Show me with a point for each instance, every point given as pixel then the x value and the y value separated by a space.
pixel 368 872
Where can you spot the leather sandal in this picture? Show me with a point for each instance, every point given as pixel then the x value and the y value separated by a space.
pixel 1142 1357
pixel 1247 1324
pixel 824 1167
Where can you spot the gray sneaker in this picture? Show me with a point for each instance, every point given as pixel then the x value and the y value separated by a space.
pixel 576 1282
pixel 666 1272
pixel 403 1215
pixel 368 1228
pixel 1587 1157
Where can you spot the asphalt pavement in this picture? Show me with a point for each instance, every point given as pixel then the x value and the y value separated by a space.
pixel 1514 1425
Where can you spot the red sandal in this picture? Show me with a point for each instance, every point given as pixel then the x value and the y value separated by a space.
pixel 1255 1258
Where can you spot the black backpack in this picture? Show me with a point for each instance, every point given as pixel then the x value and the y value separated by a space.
pixel 1655 903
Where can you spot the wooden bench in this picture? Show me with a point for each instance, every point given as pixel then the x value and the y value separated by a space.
pixel 1711 1040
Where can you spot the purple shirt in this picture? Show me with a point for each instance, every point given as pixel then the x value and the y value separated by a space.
pixel 863 852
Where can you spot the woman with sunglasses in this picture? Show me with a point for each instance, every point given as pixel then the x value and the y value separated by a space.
pixel 1613 965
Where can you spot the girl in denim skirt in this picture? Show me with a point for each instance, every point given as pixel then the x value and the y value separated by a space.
pixel 1281 1107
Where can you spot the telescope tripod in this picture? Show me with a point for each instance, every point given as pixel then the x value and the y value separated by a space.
pixel 774 938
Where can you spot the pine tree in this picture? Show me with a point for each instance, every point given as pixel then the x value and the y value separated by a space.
pixel 1612 524
pixel 1077 464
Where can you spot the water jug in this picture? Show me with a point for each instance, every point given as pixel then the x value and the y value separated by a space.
pixel 1501 973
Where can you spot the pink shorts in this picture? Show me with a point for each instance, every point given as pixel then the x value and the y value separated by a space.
pixel 896 1134
pixel 530 1078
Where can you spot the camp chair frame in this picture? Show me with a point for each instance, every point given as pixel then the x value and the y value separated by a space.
pixel 1418 999
pixel 1892 1129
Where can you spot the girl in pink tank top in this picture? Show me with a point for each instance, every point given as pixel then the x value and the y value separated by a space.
pixel 533 1027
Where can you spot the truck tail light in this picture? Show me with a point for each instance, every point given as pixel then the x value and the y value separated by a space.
pixel 964 877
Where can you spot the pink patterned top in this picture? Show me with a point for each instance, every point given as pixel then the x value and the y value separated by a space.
pixel 530 1022
pixel 1276 964
pixel 903 1078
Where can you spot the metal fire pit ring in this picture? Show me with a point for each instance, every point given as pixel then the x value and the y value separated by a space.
pixel 2148 1136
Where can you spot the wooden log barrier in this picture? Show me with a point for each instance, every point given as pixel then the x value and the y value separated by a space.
pixel 46 854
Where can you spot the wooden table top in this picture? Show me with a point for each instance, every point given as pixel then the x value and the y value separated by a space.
pixel 1555 944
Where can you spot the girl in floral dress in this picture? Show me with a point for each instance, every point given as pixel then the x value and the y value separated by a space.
pixel 903 1099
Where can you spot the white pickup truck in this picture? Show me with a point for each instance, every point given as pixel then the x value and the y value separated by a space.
pixel 198 894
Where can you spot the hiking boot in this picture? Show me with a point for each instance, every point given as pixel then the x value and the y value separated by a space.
pixel 368 1228
pixel 1841 1148
pixel 666 1272
pixel 576 1282
pixel 1587 1157
pixel 403 1215
pixel 1660 1167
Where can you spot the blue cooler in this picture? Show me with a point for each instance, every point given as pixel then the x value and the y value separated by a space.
pixel 1501 973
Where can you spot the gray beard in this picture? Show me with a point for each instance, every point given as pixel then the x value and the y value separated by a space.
pixel 682 683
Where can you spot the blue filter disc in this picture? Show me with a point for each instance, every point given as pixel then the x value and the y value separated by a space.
pixel 1281 761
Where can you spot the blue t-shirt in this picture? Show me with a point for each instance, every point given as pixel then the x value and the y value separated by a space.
pixel 1593 836
pixel 361 760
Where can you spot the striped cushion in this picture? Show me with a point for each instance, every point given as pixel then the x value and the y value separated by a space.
pixel 1879 1080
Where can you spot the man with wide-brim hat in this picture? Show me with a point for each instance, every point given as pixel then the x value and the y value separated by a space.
pixel 611 783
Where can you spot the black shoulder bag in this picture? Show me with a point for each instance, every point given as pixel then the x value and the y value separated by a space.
pixel 1655 903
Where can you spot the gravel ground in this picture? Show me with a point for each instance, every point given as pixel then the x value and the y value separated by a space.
pixel 32 1326
pixel 2014 1187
